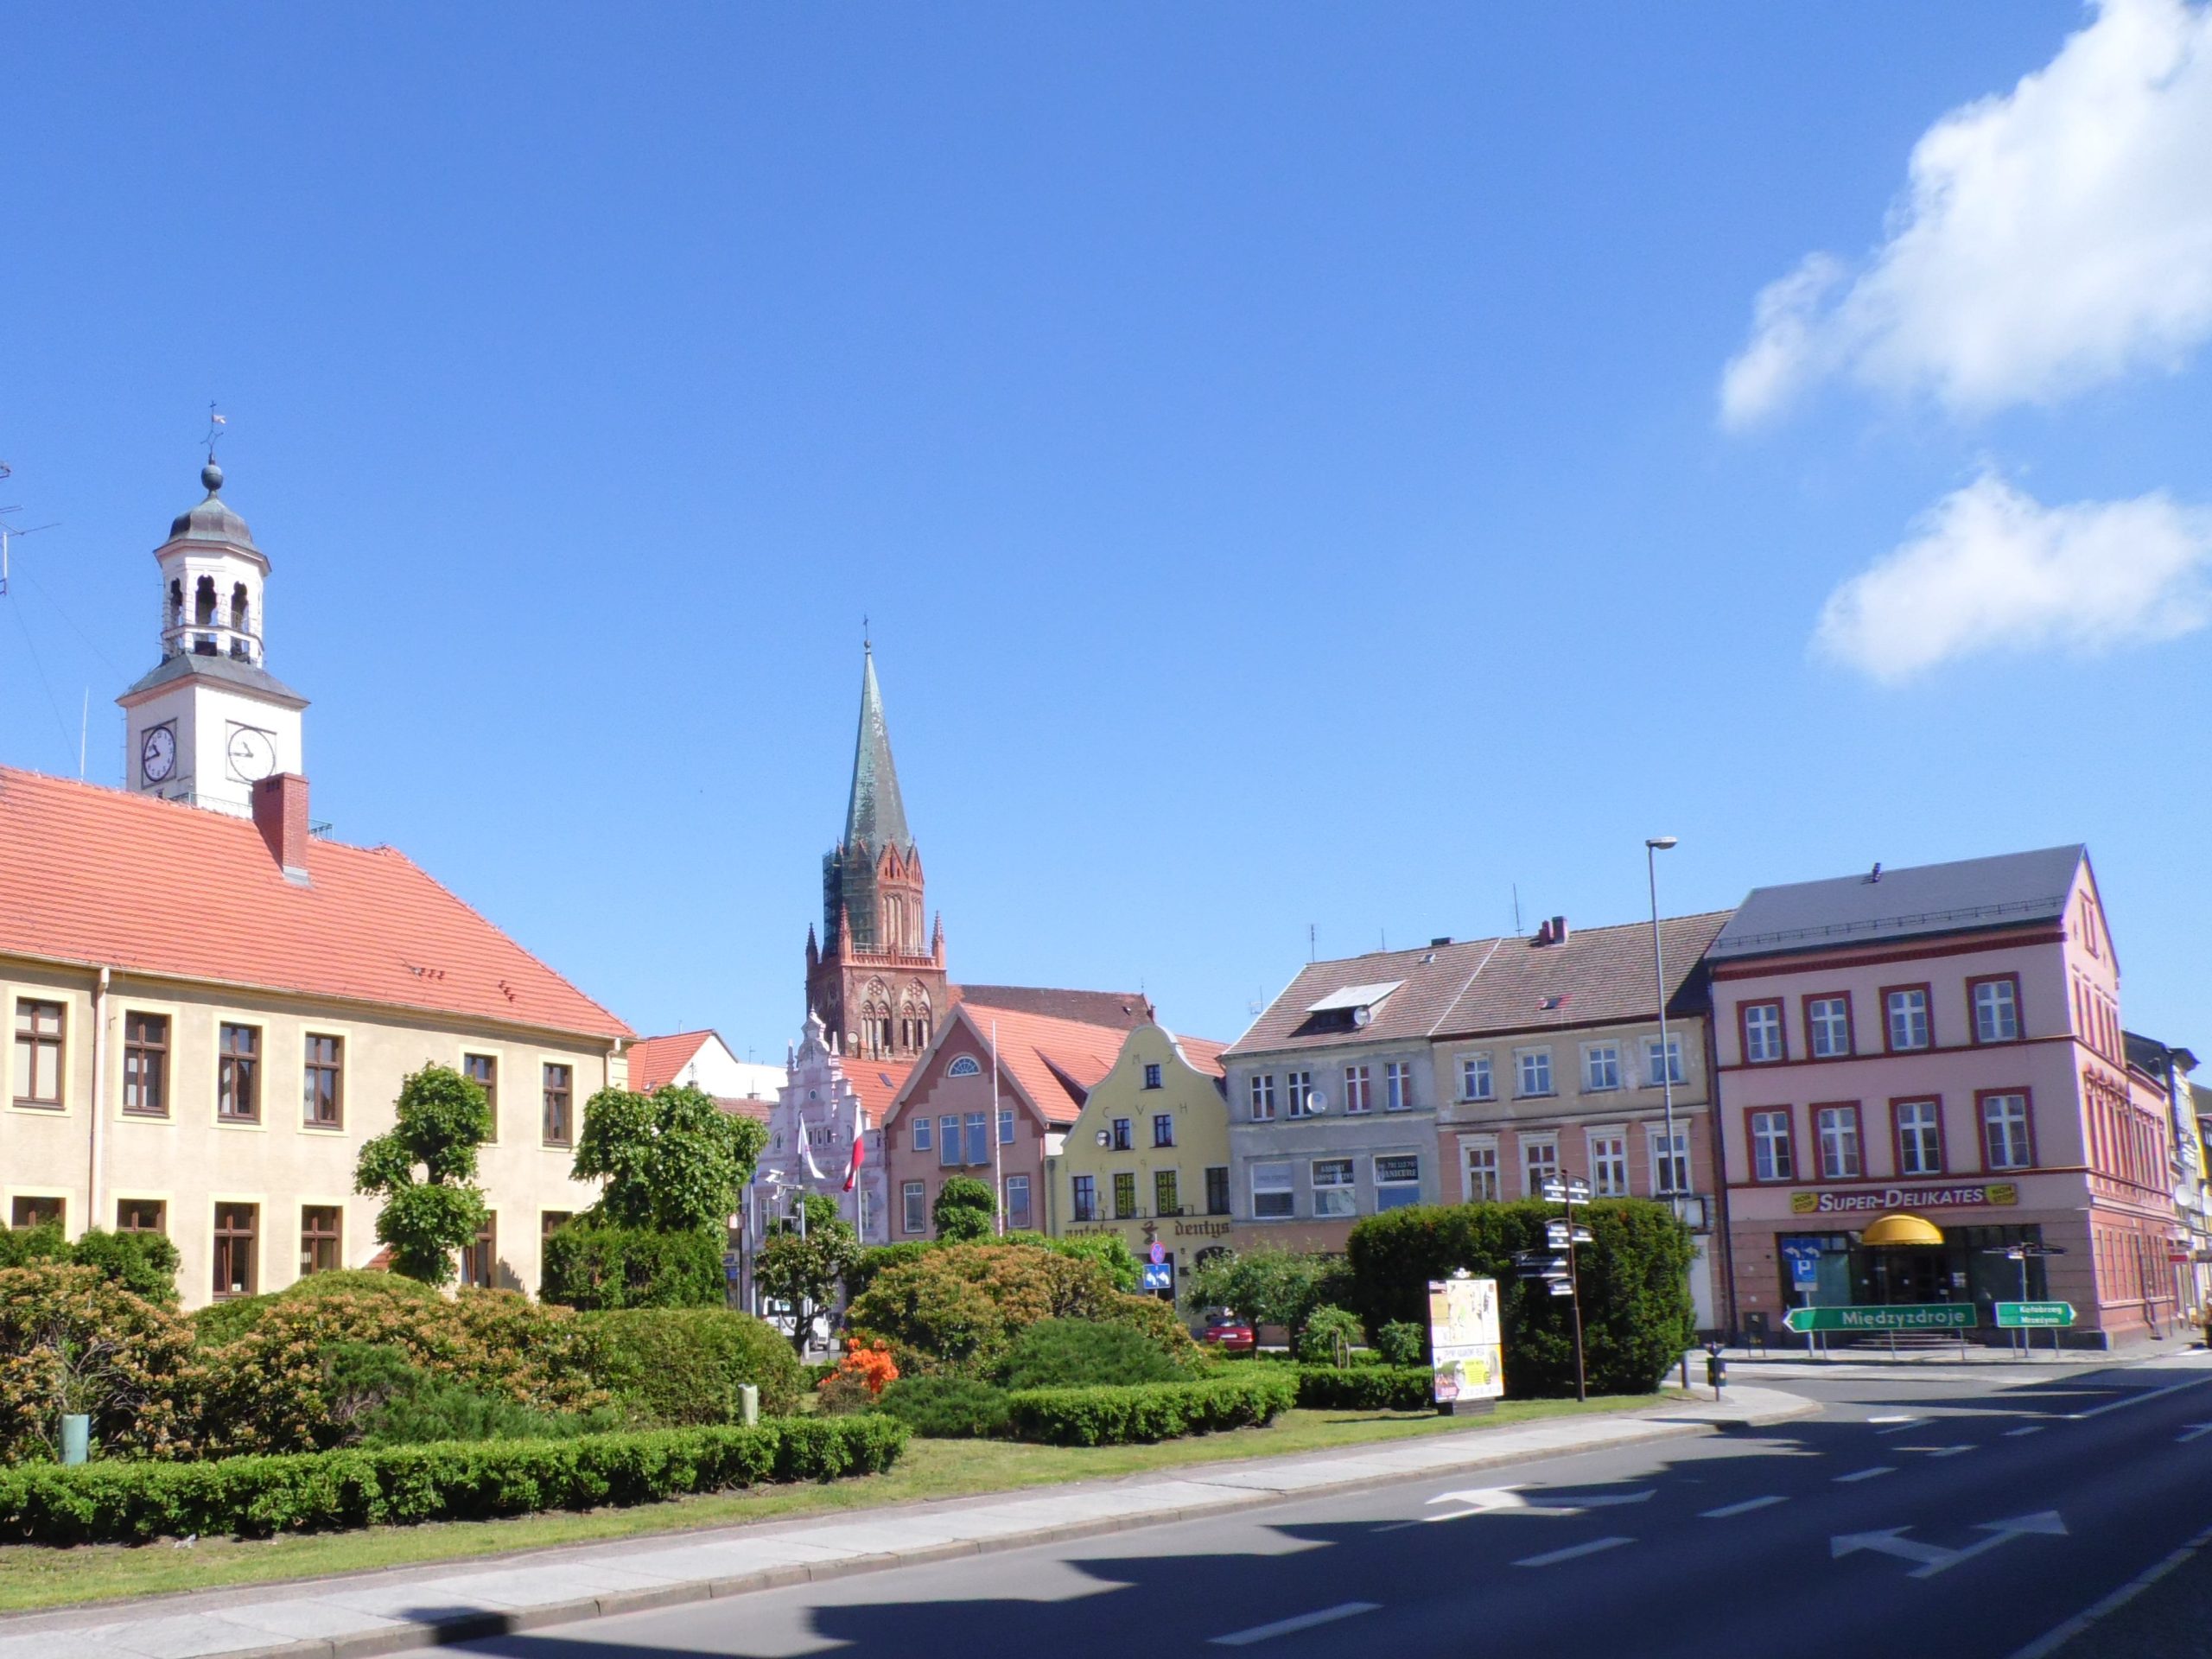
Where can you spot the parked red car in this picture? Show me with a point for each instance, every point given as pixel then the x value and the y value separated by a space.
pixel 1229 1333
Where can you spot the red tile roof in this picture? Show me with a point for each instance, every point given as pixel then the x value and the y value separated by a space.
pixel 1124 1010
pixel 745 1106
pixel 877 1083
pixel 103 877
pixel 656 1060
pixel 1203 1054
pixel 1055 1062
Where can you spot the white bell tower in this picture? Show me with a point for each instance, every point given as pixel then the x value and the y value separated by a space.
pixel 211 721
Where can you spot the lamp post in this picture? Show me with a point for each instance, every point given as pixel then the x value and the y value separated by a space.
pixel 1653 847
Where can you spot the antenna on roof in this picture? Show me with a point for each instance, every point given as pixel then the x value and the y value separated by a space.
pixel 8 532
pixel 1312 954
pixel 1517 909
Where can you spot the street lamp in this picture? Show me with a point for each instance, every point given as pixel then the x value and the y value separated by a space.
pixel 1653 845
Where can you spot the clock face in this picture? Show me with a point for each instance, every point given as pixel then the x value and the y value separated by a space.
pixel 157 754
pixel 251 754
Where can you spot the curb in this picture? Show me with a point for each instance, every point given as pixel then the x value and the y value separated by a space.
pixel 477 1626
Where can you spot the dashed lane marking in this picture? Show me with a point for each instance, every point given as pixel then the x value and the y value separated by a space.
pixel 1552 1558
pixel 1303 1621
pixel 1743 1507
pixel 2025 1428
pixel 1866 1474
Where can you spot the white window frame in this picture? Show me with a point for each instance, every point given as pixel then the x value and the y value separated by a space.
pixel 1910 1134
pixel 2010 1123
pixel 1006 1126
pixel 1472 1177
pixel 1892 1005
pixel 1608 1153
pixel 1762 1040
pixel 1334 1200
pixel 1532 1181
pixel 1297 1091
pixel 1262 1094
pixel 913 1207
pixel 1766 1165
pixel 922 1138
pixel 1657 1142
pixel 1359 1089
pixel 1601 1067
pixel 1397 1085
pixel 2009 1007
pixel 1820 1029
pixel 1526 1061
pixel 1027 1212
pixel 1843 1154
pixel 1652 1079
pixel 1473 1069
pixel 1287 1191
pixel 1398 1191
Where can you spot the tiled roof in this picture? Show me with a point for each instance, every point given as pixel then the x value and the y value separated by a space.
pixel 877 1083
pixel 2008 890
pixel 104 878
pixel 757 1111
pixel 1429 980
pixel 655 1060
pixel 1054 1062
pixel 1124 1010
pixel 1600 975
pixel 1201 1053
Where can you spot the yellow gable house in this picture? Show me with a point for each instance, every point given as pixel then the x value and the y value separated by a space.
pixel 1148 1157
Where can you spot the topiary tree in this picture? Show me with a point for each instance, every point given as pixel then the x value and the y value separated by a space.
pixel 673 1160
pixel 806 1269
pixel 443 1119
pixel 594 1265
pixel 965 1210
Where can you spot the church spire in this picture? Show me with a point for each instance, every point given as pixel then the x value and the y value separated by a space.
pixel 875 817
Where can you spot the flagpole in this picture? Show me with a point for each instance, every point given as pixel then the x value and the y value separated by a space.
pixel 998 1181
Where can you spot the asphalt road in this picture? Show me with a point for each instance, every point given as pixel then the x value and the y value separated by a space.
pixel 1942 1513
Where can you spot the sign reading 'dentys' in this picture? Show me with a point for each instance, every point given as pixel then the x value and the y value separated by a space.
pixel 1850 1200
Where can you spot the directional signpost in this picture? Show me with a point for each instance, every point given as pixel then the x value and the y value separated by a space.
pixel 2033 1316
pixel 1558 1271
pixel 2023 1253
pixel 1908 1316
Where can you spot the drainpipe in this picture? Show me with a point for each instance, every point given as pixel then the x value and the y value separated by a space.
pixel 98 1160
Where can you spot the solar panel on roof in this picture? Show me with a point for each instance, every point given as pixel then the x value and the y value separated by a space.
pixel 1355 996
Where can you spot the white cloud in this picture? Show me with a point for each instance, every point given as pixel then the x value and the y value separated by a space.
pixel 2048 240
pixel 1989 568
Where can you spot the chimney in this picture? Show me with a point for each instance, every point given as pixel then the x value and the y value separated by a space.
pixel 280 812
pixel 1441 938
pixel 1559 930
pixel 1543 933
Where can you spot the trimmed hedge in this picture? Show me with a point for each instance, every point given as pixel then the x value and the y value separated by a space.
pixel 945 1408
pixel 680 1366
pixel 1148 1411
pixel 1367 1387
pixel 592 1266
pixel 255 1497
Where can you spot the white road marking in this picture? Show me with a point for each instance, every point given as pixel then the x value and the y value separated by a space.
pixel 1572 1551
pixel 1898 1427
pixel 2194 1432
pixel 1893 1418
pixel 1743 1507
pixel 2135 1399
pixel 1867 1474
pixel 1931 1559
pixel 1486 1500
pixel 1937 1451
pixel 2050 1641
pixel 2025 1428
pixel 1303 1621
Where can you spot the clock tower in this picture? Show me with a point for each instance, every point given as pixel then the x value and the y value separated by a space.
pixel 211 721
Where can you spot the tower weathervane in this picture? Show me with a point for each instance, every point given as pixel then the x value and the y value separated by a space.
pixel 215 425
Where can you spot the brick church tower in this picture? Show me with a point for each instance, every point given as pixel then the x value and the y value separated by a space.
pixel 876 981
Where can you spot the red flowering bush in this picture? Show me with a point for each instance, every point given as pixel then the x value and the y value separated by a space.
pixel 860 1377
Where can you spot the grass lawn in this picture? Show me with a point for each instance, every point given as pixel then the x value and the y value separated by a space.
pixel 33 1576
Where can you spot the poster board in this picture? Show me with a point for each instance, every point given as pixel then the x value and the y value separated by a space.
pixel 1468 1350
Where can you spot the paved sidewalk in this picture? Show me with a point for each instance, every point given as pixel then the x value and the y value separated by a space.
pixel 391 1611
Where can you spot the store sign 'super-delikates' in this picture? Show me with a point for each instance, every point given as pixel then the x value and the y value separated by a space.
pixel 1973 1195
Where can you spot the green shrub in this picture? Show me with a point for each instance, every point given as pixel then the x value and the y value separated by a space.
pixel 74 1340
pixel 1403 1342
pixel 965 1210
pixel 30 1246
pixel 596 1266
pixel 256 1497
pixel 1268 1287
pixel 945 1408
pixel 1082 1353
pixel 144 1264
pixel 388 1401
pixel 1366 1388
pixel 1149 1411
pixel 1107 1249
pixel 1330 1334
pixel 677 1366
pixel 221 1322
pixel 1636 1313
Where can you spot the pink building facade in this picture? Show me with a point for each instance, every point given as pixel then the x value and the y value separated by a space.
pixel 1944 1041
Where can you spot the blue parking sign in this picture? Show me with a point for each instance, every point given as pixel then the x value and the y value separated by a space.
pixel 1804 1261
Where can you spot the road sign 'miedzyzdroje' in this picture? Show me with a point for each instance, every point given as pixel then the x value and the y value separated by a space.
pixel 1917 1316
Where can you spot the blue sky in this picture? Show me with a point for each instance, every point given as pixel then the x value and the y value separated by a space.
pixel 1282 450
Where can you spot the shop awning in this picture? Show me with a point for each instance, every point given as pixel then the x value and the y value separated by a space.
pixel 1902 1228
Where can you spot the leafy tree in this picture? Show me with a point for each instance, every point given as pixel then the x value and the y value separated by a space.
pixel 806 1269
pixel 443 1119
pixel 673 1160
pixel 965 1210
pixel 1267 1287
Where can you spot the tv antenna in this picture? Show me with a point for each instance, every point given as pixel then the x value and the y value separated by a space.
pixel 9 532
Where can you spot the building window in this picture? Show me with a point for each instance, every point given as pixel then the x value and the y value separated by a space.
pixel 1272 1197
pixel 1653 1076
pixel 965 1066
pixel 1263 1098
pixel 235 1271
pixel 238 1074
pixel 477 1259
pixel 948 1142
pixel 1480 1164
pixel 1006 1126
pixel 1539 1163
pixel 1996 1009
pixel 921 1135
pixel 1827 1025
pixel 1358 1094
pixel 1163 1129
pixel 1535 1071
pixel 1085 1196
pixel 2004 1138
pixel 1601 1066
pixel 1151 1074
pixel 1336 1190
pixel 560 1127
pixel 1119 1136
pixel 1125 1196
pixel 1298 1093
pixel 1397 1181
pixel 141 1215
pixel 1398 1086
pixel 1218 1189
pixel 38 1053
pixel 1762 1033
pixel 36 1213
pixel 1609 1165
pixel 913 1209
pixel 550 1222
pixel 1670 1174
pixel 1474 1076
pixel 1773 1159
pixel 1837 1129
pixel 1907 1017
pixel 1166 1196
pixel 1017 1202
pixel 979 1138
pixel 1920 1137
pixel 484 1071
pixel 319 1238
pixel 324 1103
pixel 146 1064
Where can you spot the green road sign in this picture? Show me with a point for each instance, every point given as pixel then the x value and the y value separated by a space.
pixel 2020 1316
pixel 1917 1316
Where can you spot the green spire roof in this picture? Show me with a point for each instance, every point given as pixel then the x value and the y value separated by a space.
pixel 876 817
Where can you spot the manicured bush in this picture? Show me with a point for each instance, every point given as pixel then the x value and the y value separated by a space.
pixel 596 1266
pixel 1366 1388
pixel 677 1366
pixel 1108 1250
pixel 390 1402
pixel 1149 1411
pixel 255 1497
pixel 876 1257
pixel 1082 1353
pixel 144 1264
pixel 74 1340
pixel 1401 1342
pixel 1329 1336
pixel 946 1407
pixel 1637 1314
pixel 221 1322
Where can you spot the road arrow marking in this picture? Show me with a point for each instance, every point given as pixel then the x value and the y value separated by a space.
pixel 1490 1500
pixel 1867 1474
pixel 1744 1507
pixel 1285 1626
pixel 1890 1542
pixel 2195 1431
pixel 1572 1551
pixel 1931 1559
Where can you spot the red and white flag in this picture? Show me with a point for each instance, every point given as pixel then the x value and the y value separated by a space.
pixel 860 1149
